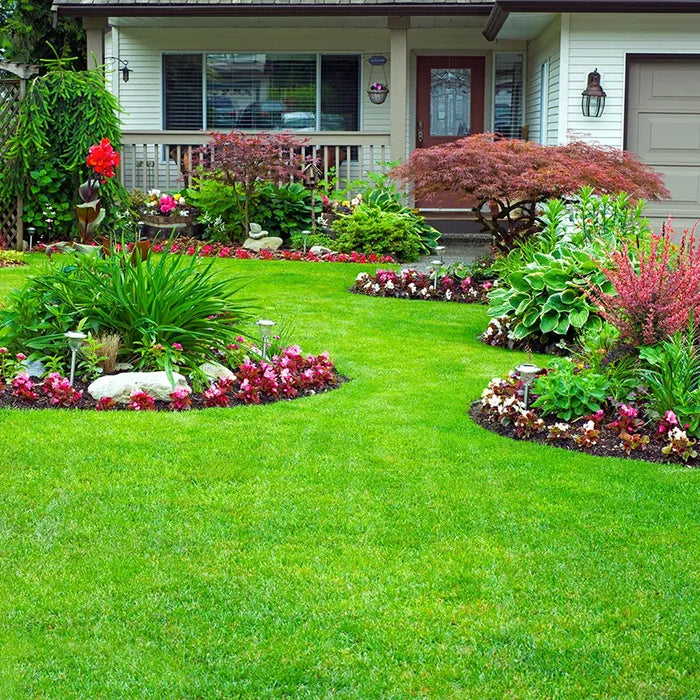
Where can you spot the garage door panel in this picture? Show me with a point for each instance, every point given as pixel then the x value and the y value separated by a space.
pixel 666 84
pixel 684 184
pixel 668 138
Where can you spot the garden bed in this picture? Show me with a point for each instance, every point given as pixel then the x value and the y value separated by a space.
pixel 286 376
pixel 618 431
pixel 11 258
pixel 203 249
pixel 410 284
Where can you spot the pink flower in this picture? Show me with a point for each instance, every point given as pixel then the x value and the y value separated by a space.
pixel 167 204
pixel 3 351
pixel 21 356
pixel 671 418
pixel 176 346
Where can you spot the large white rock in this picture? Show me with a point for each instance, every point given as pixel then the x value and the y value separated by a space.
pixel 267 243
pixel 120 386
pixel 319 250
pixel 213 371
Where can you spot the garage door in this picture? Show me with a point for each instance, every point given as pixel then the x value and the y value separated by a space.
pixel 663 127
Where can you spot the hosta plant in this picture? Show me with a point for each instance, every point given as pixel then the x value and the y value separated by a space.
pixel 569 391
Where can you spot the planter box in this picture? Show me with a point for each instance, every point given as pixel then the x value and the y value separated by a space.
pixel 163 227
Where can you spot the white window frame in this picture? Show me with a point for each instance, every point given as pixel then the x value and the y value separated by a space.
pixel 544 103
pixel 523 97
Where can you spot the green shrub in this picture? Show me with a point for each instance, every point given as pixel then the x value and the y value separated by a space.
pixel 370 229
pixel 216 200
pixel 296 241
pixel 569 392
pixel 157 301
pixel 283 211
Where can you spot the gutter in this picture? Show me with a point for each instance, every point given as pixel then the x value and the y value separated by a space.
pixel 343 9
pixel 502 8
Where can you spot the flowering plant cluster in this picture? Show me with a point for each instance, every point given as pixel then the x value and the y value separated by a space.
pixel 60 391
pixel 164 204
pixel 378 87
pixel 102 159
pixel 186 246
pixel 410 284
pixel 611 431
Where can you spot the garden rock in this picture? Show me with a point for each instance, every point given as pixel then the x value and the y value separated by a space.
pixel 267 243
pixel 319 250
pixel 256 231
pixel 120 386
pixel 214 371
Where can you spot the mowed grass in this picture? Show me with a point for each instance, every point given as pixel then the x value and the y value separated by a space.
pixel 370 542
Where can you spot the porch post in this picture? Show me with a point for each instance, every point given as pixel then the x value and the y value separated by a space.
pixel 398 29
pixel 95 34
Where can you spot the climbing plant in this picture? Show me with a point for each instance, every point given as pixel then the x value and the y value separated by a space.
pixel 63 113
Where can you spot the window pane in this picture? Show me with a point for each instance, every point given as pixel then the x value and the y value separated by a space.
pixel 450 101
pixel 340 93
pixel 508 95
pixel 261 91
pixel 182 87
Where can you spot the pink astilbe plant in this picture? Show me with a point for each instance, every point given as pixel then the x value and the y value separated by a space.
pixel 653 297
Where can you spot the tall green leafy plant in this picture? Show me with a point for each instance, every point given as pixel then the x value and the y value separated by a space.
pixel 147 303
pixel 63 113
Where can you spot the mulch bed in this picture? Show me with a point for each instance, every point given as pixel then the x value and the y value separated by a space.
pixel 87 403
pixel 12 263
pixel 608 444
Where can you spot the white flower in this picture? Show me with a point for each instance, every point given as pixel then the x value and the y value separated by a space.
pixel 154 193
pixel 424 292
pixel 361 277
pixel 389 285
pixel 589 425
pixel 677 434
pixel 355 201
pixel 448 294
pixel 563 427
pixel 375 287
pixel 412 288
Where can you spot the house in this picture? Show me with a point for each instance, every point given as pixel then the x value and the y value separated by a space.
pixel 453 67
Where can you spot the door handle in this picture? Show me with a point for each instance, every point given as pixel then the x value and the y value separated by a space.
pixel 419 135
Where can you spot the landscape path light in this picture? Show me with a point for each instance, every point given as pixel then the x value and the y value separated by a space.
pixel 436 265
pixel 440 250
pixel 75 340
pixel 527 372
pixel 305 237
pixel 265 326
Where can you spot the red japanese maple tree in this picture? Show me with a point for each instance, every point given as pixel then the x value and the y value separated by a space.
pixel 248 160
pixel 506 178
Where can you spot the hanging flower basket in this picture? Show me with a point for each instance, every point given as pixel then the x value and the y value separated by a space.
pixel 377 97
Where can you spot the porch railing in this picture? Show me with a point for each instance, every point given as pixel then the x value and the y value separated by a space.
pixel 159 159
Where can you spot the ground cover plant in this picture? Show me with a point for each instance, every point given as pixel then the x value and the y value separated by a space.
pixel 10 258
pixel 364 542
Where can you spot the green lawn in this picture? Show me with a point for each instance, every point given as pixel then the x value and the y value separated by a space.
pixel 365 543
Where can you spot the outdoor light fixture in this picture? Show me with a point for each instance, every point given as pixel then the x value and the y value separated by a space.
pixel 124 71
pixel 436 265
pixel 593 97
pixel 312 174
pixel 75 340
pixel 527 372
pixel 140 228
pixel 305 237
pixel 265 326
pixel 32 232
pixel 440 250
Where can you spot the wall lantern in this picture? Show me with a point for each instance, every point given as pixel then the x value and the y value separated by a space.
pixel 593 97
pixel 125 71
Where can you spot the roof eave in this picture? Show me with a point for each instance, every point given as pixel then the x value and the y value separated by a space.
pixel 269 9
pixel 502 8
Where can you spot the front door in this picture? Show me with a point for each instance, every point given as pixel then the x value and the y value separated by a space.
pixel 449 106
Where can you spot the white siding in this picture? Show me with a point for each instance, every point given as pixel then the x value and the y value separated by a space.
pixel 545 48
pixel 603 42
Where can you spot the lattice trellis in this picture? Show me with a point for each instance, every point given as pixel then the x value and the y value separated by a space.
pixel 13 78
pixel 10 90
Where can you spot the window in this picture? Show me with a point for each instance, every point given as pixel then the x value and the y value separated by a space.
pixel 306 92
pixel 544 102
pixel 508 95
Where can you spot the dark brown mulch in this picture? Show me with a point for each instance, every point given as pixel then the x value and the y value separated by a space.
pixel 12 263
pixel 87 403
pixel 608 444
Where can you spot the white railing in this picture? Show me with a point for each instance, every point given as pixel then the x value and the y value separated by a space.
pixel 160 158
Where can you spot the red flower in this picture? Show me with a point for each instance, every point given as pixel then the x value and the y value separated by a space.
pixel 102 158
